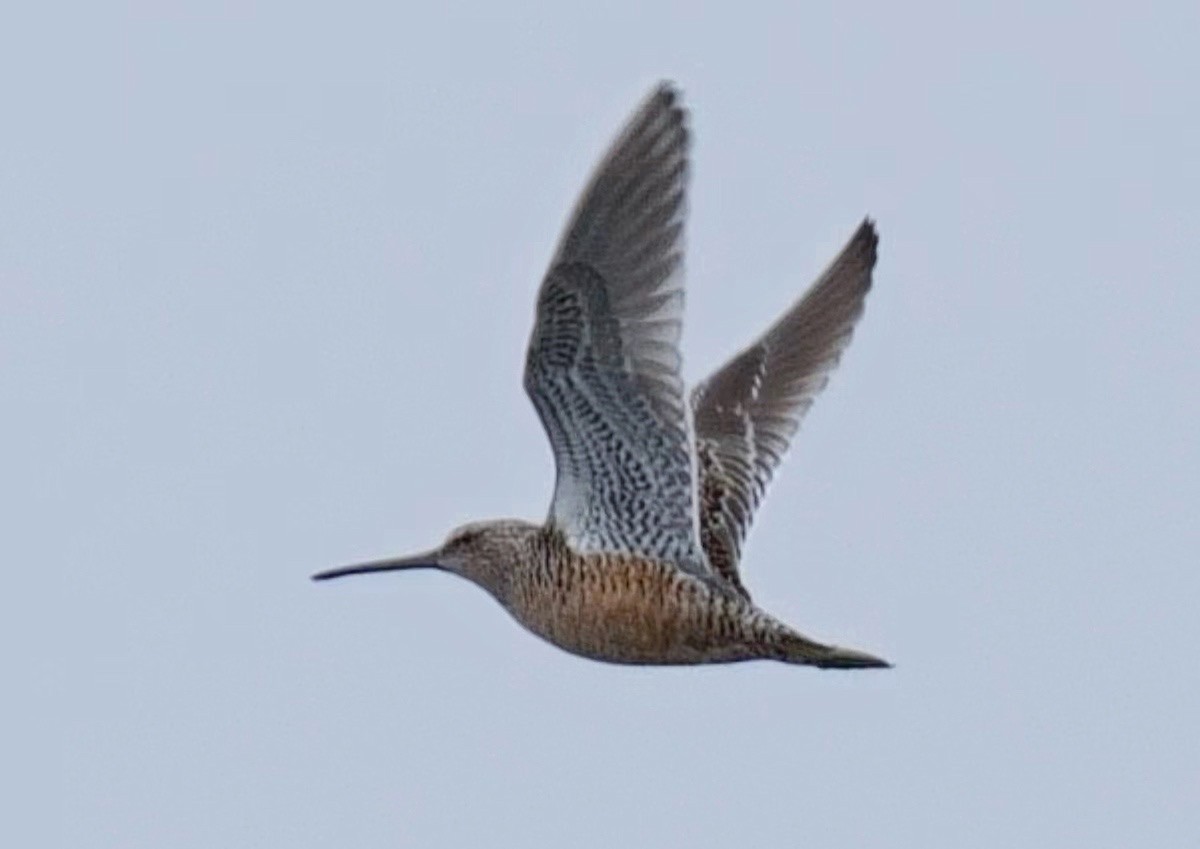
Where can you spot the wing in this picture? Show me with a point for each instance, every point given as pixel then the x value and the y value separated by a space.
pixel 746 413
pixel 603 362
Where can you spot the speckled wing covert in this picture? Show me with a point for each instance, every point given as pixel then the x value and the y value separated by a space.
pixel 603 363
pixel 746 413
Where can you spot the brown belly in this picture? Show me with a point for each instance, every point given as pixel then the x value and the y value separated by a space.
pixel 633 612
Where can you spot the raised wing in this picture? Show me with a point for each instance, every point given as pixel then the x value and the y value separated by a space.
pixel 603 362
pixel 746 413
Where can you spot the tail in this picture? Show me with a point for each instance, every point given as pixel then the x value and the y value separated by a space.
pixel 797 649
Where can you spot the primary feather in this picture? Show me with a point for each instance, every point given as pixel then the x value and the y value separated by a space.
pixel 603 367
pixel 746 412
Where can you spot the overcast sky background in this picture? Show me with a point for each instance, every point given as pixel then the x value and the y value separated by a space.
pixel 266 279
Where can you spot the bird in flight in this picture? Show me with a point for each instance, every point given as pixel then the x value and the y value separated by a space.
pixel 639 560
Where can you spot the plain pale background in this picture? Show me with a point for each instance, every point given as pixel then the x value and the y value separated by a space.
pixel 266 278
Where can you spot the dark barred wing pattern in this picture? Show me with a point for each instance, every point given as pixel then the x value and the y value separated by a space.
pixel 603 363
pixel 747 412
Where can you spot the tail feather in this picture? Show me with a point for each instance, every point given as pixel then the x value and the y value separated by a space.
pixel 799 650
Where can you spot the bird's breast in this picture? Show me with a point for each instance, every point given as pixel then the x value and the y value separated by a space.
pixel 627 610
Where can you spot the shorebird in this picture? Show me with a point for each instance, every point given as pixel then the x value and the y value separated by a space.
pixel 638 561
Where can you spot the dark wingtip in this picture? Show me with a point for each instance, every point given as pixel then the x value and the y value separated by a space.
pixel 667 97
pixel 668 91
pixel 866 238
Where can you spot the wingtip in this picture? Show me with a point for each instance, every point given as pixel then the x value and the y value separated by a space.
pixel 862 248
pixel 668 91
pixel 868 232
pixel 666 96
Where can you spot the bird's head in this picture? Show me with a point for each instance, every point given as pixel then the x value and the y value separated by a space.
pixel 483 552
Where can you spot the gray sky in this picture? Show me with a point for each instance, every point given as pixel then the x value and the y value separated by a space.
pixel 266 280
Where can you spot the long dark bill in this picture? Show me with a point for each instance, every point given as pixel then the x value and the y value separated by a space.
pixel 427 560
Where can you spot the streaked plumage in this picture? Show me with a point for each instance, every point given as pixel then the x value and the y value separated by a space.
pixel 746 413
pixel 638 561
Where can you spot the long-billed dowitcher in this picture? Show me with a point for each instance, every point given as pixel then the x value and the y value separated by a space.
pixel 638 561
